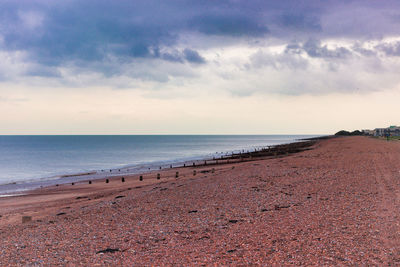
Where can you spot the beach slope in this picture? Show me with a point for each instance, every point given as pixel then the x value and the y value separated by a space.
pixel 336 204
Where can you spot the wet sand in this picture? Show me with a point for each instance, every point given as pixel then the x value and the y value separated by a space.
pixel 336 204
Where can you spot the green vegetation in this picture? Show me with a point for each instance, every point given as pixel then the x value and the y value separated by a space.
pixel 394 138
pixel 347 133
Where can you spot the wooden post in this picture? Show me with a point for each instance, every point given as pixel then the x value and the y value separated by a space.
pixel 158 176
pixel 123 179
pixel 176 174
pixel 90 182
pixel 107 181
pixel 140 178
pixel 194 172
pixel 26 219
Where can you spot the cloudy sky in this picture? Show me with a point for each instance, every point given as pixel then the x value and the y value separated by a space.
pixel 198 67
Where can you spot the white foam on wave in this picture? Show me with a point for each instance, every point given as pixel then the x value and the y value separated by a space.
pixel 11 195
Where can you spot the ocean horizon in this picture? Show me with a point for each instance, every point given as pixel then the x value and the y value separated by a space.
pixel 30 161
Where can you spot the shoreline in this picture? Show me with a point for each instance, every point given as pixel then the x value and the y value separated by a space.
pixel 334 204
pixel 90 188
pixel 23 187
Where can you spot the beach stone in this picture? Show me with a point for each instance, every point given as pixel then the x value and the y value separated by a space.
pixel 90 182
pixel 26 219
pixel 140 178
pixel 108 250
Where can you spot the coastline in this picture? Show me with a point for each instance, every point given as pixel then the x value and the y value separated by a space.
pixel 24 187
pixel 69 191
pixel 331 205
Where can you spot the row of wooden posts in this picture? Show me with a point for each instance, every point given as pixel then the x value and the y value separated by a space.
pixel 215 159
pixel 238 157
pixel 141 177
pixel 245 155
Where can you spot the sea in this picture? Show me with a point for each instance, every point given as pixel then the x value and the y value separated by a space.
pixel 31 161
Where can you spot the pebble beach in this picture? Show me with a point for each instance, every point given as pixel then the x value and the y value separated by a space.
pixel 335 204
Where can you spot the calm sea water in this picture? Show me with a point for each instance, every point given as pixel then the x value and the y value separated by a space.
pixel 29 161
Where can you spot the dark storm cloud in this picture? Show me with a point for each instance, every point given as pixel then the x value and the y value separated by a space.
pixel 389 49
pixel 230 25
pixel 93 30
pixel 84 33
pixel 193 57
pixel 314 49
pixel 300 22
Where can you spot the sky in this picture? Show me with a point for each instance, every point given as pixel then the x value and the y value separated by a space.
pixel 198 67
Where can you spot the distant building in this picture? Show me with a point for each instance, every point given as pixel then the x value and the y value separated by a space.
pixel 389 131
pixel 368 132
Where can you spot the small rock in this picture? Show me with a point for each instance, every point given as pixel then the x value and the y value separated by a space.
pixel 277 207
pixel 108 250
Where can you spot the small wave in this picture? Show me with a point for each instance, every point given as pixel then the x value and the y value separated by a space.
pixel 10 195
